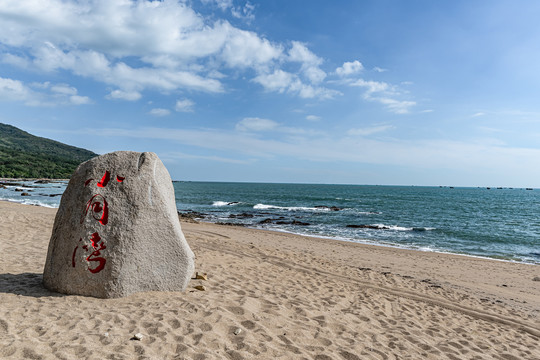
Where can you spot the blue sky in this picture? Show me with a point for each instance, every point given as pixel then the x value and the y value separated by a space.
pixel 359 92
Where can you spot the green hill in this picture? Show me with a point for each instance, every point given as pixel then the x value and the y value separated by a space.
pixel 23 155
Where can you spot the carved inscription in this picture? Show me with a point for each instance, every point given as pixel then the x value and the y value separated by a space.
pixel 98 207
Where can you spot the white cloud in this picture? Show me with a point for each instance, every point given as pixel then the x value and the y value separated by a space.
pixel 15 60
pixel 247 12
pixel 425 154
pixel 313 118
pixel 79 100
pixel 164 46
pixel 173 156
pixel 371 86
pixel 260 125
pixel 310 62
pixel 222 4
pixel 369 130
pixel 300 53
pixel 159 112
pixel 349 68
pixel 96 38
pixel 478 114
pixel 40 94
pixel 385 94
pixel 256 124
pixel 378 69
pixel 279 80
pixel 64 89
pixel 282 81
pixel 395 106
pixel 307 91
pixel 246 49
pixel 124 95
pixel 13 90
pixel 184 105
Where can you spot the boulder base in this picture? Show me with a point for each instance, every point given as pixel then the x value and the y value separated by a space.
pixel 117 231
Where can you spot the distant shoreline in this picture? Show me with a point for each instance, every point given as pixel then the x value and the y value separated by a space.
pixel 32 179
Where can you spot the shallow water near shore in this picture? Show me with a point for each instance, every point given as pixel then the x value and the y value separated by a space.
pixel 495 223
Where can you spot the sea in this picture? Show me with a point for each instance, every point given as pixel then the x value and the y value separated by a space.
pixel 496 223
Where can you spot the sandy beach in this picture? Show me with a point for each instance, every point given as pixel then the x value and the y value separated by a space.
pixel 273 295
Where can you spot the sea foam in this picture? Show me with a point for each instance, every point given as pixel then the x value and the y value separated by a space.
pixel 290 208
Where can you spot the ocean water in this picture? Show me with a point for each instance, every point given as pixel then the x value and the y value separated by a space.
pixel 495 223
pixel 46 194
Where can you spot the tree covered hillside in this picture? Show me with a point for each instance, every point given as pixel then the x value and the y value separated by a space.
pixel 23 155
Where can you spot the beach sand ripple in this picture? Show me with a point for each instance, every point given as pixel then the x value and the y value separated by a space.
pixel 273 296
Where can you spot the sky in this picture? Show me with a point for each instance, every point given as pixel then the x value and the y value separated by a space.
pixel 382 92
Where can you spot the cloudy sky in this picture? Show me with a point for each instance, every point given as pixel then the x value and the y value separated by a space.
pixel 363 92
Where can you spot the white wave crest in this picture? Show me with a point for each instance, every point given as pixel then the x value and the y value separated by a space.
pixel 30 202
pixel 392 227
pixel 401 228
pixel 224 203
pixel 290 208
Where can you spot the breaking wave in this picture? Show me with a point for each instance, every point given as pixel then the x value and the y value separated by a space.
pixel 290 208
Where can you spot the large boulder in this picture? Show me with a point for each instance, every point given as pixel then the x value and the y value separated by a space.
pixel 117 231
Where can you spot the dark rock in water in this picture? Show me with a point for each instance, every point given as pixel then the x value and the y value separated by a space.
pixel 8 183
pixel 293 222
pixel 281 221
pixel 374 227
pixel 53 195
pixel 190 215
pixel 19 190
pixel 25 194
pixel 229 224
pixel 331 208
pixel 117 231
pixel 42 181
pixel 241 216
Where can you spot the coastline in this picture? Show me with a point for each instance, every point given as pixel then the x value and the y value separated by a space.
pixel 356 214
pixel 291 296
pixel 376 243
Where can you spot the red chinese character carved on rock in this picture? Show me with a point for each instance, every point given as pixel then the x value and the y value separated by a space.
pixel 97 246
pixel 99 208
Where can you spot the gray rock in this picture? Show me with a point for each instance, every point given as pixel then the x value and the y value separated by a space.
pixel 117 231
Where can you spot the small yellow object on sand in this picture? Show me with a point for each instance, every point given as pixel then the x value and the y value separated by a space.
pixel 200 287
pixel 201 276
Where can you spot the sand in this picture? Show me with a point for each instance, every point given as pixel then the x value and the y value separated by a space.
pixel 273 295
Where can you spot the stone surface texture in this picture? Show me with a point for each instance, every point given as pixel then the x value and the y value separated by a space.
pixel 117 231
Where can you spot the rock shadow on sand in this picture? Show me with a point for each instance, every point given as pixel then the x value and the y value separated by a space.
pixel 25 284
